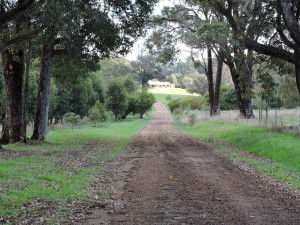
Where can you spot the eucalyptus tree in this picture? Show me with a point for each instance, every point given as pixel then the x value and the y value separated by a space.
pixel 146 67
pixel 278 20
pixel 180 24
pixel 47 20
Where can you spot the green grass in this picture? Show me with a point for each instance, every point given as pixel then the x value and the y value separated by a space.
pixel 282 149
pixel 163 97
pixel 51 173
pixel 170 91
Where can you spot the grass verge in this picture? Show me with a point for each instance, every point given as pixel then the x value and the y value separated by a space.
pixel 281 149
pixel 61 170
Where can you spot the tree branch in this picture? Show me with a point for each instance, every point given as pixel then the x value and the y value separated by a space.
pixel 15 12
pixel 20 38
pixel 291 23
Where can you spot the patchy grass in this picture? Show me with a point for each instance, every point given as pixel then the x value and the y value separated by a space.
pixel 281 149
pixel 61 169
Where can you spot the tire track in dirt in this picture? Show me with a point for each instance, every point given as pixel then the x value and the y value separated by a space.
pixel 176 179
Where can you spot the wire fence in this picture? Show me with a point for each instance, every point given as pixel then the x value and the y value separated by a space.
pixel 285 120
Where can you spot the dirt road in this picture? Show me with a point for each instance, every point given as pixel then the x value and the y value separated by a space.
pixel 176 179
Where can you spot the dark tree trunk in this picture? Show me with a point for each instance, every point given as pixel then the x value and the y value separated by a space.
pixel 56 120
pixel 41 119
pixel 210 79
pixel 218 87
pixel 244 100
pixel 13 72
pixel 297 67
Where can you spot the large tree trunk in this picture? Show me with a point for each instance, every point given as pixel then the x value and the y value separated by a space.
pixel 13 72
pixel 218 87
pixel 297 67
pixel 210 79
pixel 243 98
pixel 41 119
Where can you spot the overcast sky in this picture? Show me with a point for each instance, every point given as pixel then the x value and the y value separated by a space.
pixel 138 46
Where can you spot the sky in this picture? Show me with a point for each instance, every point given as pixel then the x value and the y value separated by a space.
pixel 138 46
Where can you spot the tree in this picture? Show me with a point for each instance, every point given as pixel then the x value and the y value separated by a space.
pixel 144 102
pixel 97 114
pixel 228 99
pixel 283 15
pixel 72 118
pixel 180 24
pixel 28 19
pixel 117 100
pixel 91 19
pixel 146 67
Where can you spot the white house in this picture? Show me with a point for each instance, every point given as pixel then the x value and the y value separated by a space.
pixel 158 84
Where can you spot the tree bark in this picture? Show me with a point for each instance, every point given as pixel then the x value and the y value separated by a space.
pixel 297 67
pixel 210 79
pixel 244 101
pixel 13 72
pixel 41 119
pixel 218 87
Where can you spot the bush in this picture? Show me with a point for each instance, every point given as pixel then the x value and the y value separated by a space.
pixel 190 102
pixel 144 102
pixel 192 119
pixel 72 119
pixel 132 106
pixel 117 100
pixel 97 114
pixel 228 99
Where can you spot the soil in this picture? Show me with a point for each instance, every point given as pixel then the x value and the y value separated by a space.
pixel 168 177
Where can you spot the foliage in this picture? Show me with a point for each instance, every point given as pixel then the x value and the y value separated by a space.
pixel 97 114
pixel 228 99
pixel 117 100
pixel 115 67
pixel 144 102
pixel 129 85
pixel 146 68
pixel 193 103
pixel 72 118
pixel 192 119
pixel 132 106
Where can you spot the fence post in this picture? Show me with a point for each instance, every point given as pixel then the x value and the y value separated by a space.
pixel 276 118
pixel 259 116
pixel 299 121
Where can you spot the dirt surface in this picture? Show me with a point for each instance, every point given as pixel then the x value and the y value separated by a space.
pixel 173 178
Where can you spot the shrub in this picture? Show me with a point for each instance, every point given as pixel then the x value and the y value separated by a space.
pixel 192 119
pixel 97 114
pixel 144 102
pixel 228 99
pixel 190 102
pixel 117 100
pixel 72 119
pixel 132 106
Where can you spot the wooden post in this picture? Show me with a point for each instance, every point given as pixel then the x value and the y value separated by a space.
pixel 276 119
pixel 299 121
